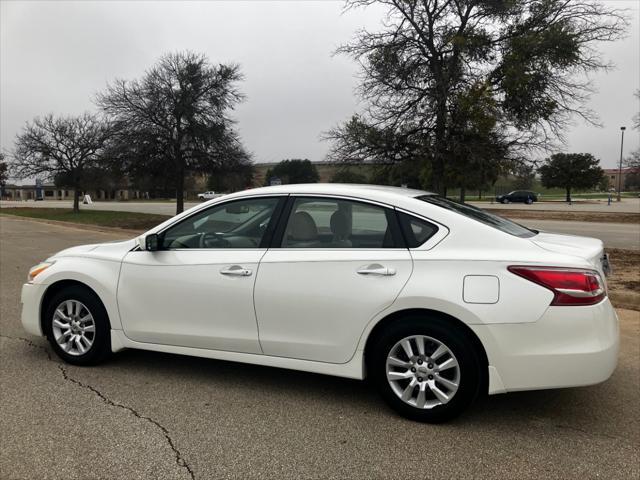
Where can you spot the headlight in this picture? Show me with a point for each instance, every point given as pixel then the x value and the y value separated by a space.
pixel 38 269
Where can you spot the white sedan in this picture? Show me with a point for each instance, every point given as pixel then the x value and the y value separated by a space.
pixel 436 302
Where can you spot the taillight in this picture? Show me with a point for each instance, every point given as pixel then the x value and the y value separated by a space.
pixel 570 286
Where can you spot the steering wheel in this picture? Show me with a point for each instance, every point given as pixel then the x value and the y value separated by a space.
pixel 213 240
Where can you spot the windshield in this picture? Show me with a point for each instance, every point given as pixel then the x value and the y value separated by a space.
pixel 480 215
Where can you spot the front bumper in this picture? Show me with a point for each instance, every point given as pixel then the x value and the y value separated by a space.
pixel 31 299
pixel 566 347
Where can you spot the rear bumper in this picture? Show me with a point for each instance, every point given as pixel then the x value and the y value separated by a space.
pixel 566 347
pixel 31 299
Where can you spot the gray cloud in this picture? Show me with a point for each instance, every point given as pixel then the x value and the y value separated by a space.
pixel 54 57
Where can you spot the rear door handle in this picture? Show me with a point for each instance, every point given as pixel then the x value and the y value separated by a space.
pixel 236 270
pixel 376 269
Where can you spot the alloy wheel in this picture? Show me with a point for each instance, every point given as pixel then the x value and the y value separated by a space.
pixel 423 372
pixel 74 328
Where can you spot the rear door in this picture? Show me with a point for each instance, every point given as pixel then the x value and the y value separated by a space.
pixel 336 263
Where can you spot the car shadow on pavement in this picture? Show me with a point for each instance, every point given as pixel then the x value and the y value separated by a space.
pixel 557 406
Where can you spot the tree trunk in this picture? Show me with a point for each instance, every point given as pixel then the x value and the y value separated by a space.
pixel 76 199
pixel 568 194
pixel 180 187
pixel 462 194
pixel 440 141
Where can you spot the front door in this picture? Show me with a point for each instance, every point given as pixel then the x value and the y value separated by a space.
pixel 338 264
pixel 197 289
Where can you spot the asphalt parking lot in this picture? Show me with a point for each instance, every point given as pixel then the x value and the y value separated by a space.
pixel 150 415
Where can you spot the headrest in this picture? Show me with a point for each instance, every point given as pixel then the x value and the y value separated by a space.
pixel 303 227
pixel 339 223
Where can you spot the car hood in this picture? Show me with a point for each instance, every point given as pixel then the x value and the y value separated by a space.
pixel 591 249
pixel 107 251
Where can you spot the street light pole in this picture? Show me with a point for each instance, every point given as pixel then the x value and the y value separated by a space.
pixel 622 129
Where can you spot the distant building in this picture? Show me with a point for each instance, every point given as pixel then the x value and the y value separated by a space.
pixel 613 175
pixel 48 191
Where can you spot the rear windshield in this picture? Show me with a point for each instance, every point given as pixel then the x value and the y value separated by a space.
pixel 480 215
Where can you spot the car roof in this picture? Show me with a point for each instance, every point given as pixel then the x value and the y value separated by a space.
pixel 374 192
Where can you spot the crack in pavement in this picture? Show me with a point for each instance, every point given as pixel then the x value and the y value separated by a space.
pixel 180 461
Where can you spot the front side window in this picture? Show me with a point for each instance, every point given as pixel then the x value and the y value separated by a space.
pixel 239 224
pixel 337 223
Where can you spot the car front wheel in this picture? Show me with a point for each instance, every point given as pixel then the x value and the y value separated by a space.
pixel 426 370
pixel 77 326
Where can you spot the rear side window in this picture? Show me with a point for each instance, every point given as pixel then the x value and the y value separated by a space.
pixel 416 231
pixel 502 224
pixel 339 223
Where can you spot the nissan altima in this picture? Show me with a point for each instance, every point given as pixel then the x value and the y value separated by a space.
pixel 435 302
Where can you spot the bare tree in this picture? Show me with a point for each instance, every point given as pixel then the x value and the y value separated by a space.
pixel 633 161
pixel 174 119
pixel 4 173
pixel 60 146
pixel 444 78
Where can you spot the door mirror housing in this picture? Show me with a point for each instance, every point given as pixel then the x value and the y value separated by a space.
pixel 150 242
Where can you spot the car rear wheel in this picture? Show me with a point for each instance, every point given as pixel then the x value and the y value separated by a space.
pixel 426 369
pixel 77 326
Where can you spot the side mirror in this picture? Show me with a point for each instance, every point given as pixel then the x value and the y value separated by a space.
pixel 152 242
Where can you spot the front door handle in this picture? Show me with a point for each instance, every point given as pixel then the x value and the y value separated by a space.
pixel 376 269
pixel 236 270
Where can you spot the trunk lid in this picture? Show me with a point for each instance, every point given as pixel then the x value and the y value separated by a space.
pixel 591 249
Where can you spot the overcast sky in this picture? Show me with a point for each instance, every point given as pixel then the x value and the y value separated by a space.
pixel 54 57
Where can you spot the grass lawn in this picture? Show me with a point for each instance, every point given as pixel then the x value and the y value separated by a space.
pixel 102 218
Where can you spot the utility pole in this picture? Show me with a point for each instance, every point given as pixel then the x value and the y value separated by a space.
pixel 622 129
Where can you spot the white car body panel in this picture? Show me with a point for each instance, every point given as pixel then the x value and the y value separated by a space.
pixel 352 369
pixel 179 297
pixel 308 309
pixel 97 266
pixel 566 347
pixel 313 305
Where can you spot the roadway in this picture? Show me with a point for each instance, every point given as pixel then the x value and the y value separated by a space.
pixel 147 415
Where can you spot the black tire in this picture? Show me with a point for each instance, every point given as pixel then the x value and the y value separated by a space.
pixel 100 349
pixel 505 201
pixel 471 366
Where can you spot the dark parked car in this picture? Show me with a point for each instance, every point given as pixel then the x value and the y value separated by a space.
pixel 518 196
